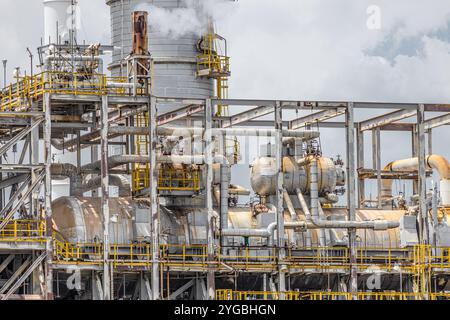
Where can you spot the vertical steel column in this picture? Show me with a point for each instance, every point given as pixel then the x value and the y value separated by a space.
pixel 376 154
pixel 430 142
pixel 34 160
pixel 350 135
pixel 105 197
pixel 154 214
pixel 48 193
pixel 279 195
pixel 209 200
pixel 360 155
pixel 94 147
pixel 415 152
pixel 422 175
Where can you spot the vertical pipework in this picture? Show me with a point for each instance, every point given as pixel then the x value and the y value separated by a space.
pixel 224 194
pixel 350 135
pixel 209 200
pixel 140 33
pixel 279 196
pixel 153 140
pixel 48 194
pixel 423 234
pixel 434 208
pixel 105 198
pixel 314 194
pixel 360 160
pixel 140 41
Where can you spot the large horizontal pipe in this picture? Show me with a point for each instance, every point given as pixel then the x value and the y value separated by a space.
pixel 171 131
pixel 115 131
pixel 325 224
pixel 119 181
pixel 436 162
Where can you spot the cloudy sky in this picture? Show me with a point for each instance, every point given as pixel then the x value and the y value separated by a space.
pixel 303 50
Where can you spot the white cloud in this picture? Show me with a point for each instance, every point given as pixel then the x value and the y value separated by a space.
pixel 290 49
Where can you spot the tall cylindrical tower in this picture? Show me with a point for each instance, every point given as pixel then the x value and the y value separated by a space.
pixel 175 60
pixel 59 17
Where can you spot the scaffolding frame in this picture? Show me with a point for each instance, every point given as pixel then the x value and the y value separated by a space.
pixel 154 258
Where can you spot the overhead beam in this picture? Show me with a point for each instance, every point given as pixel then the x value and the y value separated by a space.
pixel 179 114
pixel 437 107
pixel 19 136
pixel 385 119
pixel 437 122
pixel 247 116
pixel 315 117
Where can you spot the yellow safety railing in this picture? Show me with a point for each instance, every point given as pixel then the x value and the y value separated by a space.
pixel 248 257
pixel 245 257
pixel 184 255
pixel 422 269
pixel 23 231
pixel 319 255
pixel 186 179
pixel 228 294
pixel 327 257
pixel 216 66
pixel 131 255
pixel 90 253
pixel 19 95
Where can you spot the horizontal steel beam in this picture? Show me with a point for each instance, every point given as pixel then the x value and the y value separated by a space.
pixel 180 114
pixel 13 141
pixel 437 122
pixel 248 115
pixel 385 119
pixel 437 107
pixel 315 117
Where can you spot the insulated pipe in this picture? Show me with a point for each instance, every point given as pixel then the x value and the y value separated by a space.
pixel 436 162
pixel 376 225
pixel 314 194
pixel 69 57
pixel 314 189
pixel 224 195
pixel 115 131
pixel 114 180
pixel 119 160
pixel 289 205
pixel 67 170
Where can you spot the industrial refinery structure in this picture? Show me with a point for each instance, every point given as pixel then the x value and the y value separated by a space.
pixel 177 230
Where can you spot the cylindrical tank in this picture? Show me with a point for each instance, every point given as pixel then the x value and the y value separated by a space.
pixel 264 176
pixel 58 20
pixel 175 59
pixel 79 220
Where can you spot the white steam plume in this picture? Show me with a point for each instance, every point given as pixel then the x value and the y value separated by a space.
pixel 192 18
